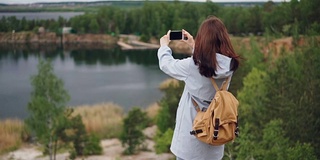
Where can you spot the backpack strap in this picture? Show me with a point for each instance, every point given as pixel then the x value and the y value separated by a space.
pixel 195 104
pixel 225 83
pixel 214 84
pixel 223 86
pixel 216 128
pixel 236 132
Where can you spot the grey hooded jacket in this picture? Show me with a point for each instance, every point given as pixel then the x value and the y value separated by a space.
pixel 183 144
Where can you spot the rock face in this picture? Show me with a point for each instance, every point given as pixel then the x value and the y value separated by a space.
pixel 53 38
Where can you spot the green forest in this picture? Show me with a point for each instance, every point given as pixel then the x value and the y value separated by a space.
pixel 279 105
pixel 154 19
pixel 279 112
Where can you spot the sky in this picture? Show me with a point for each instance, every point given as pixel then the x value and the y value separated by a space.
pixel 35 1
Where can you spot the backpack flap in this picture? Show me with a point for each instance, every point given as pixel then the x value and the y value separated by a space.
pixel 226 107
pixel 225 116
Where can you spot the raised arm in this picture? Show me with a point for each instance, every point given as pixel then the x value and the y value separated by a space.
pixel 175 68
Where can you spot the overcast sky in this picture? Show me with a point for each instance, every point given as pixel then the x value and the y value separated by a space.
pixel 35 1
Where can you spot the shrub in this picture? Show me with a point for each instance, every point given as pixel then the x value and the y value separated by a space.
pixel 144 38
pixel 165 119
pixel 132 136
pixel 169 103
pixel 83 143
pixel 301 151
pixel 92 145
pixel 163 141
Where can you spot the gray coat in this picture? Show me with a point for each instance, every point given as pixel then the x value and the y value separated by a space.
pixel 183 144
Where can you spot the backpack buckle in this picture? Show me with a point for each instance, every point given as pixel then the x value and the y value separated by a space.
pixel 216 129
pixel 195 132
pixel 215 134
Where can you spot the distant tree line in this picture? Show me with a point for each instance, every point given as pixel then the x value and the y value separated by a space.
pixel 154 19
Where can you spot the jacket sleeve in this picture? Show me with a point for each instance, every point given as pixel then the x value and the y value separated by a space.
pixel 175 68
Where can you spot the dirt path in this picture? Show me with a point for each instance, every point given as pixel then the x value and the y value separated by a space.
pixel 112 150
pixel 131 42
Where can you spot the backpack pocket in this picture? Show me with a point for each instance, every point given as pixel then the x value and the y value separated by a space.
pixel 199 126
pixel 226 133
pixel 200 131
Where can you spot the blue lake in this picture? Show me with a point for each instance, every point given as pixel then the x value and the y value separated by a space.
pixel 91 76
pixel 40 15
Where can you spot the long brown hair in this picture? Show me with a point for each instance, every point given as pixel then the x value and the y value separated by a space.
pixel 212 38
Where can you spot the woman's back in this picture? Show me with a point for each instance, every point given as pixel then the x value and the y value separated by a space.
pixel 213 56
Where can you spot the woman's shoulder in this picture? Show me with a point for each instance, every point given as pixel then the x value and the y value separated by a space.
pixel 188 61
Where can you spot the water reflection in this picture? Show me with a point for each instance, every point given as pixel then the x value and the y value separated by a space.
pixel 104 57
pixel 88 56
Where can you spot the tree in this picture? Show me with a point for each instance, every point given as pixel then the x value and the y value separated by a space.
pixel 169 103
pixel 4 25
pixel 273 145
pixel 252 110
pixel 310 14
pixel 82 142
pixel 165 119
pixel 163 142
pixel 132 136
pixel 94 26
pixel 293 90
pixel 23 24
pixel 61 22
pixel 254 20
pixel 47 107
pixel 251 114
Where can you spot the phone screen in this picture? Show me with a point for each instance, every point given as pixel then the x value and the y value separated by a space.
pixel 175 35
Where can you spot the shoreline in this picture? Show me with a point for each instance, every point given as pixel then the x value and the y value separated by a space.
pixel 54 38
pixel 80 41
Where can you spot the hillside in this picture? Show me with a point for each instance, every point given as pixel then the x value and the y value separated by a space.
pixel 93 6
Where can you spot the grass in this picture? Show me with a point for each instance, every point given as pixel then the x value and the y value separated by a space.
pixel 11 134
pixel 104 120
pixel 165 84
pixel 152 111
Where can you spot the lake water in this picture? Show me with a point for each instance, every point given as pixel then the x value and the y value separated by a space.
pixel 40 15
pixel 91 76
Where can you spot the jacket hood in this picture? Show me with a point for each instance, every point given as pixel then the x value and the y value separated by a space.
pixel 223 69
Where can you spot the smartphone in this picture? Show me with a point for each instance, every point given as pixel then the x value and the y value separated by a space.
pixel 176 35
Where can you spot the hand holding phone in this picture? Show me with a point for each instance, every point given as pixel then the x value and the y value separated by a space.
pixel 188 39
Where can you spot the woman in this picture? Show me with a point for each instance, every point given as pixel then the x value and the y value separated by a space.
pixel 213 56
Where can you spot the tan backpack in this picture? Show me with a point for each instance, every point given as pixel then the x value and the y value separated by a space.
pixel 219 123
